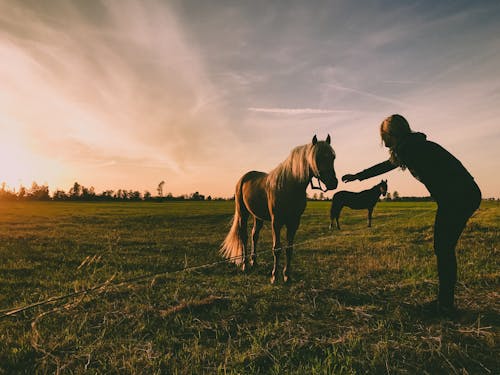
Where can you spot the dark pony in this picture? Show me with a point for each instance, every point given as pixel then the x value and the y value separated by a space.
pixel 366 199
pixel 280 197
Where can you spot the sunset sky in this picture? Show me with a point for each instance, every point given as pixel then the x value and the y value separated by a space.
pixel 125 94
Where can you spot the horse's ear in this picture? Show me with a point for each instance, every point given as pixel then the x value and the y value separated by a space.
pixel 328 139
pixel 315 140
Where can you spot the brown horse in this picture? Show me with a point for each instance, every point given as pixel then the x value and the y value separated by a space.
pixel 280 197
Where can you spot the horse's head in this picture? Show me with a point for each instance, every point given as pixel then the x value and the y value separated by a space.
pixel 383 187
pixel 322 161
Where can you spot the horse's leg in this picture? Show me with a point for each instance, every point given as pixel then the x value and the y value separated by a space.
pixel 244 237
pixel 291 229
pixel 337 217
pixel 370 210
pixel 332 215
pixel 257 226
pixel 276 229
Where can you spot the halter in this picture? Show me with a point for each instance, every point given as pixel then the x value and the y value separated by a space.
pixel 319 185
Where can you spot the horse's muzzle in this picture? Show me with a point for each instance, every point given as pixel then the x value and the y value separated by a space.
pixel 331 184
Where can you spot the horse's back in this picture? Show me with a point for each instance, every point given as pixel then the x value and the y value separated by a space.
pixel 254 195
pixel 352 200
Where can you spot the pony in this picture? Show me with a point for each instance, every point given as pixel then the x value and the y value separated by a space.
pixel 279 197
pixel 364 199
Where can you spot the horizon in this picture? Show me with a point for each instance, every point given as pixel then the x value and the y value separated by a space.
pixel 311 195
pixel 123 95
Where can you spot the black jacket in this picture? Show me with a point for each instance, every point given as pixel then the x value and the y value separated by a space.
pixel 441 173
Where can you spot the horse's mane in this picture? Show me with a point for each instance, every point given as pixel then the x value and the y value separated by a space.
pixel 296 167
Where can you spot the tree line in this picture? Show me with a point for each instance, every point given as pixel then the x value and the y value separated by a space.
pixel 79 192
pixel 82 193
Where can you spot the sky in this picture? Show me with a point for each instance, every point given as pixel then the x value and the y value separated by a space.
pixel 126 94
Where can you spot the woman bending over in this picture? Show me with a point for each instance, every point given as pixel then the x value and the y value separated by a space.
pixel 449 183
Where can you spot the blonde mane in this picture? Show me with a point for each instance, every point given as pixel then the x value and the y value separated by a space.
pixel 297 167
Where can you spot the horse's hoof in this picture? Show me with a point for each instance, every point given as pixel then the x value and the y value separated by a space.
pixel 287 279
pixel 244 267
pixel 273 279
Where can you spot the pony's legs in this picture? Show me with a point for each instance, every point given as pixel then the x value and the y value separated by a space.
pixel 335 214
pixel 244 237
pixel 337 206
pixel 276 229
pixel 257 226
pixel 291 229
pixel 370 211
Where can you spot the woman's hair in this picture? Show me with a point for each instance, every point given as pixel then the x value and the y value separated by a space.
pixel 398 127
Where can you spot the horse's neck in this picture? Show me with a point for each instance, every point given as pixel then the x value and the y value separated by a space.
pixel 291 175
pixel 375 191
pixel 290 182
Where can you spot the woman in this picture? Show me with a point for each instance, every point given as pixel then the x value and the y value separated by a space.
pixel 449 183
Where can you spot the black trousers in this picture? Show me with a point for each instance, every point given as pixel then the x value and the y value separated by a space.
pixel 451 218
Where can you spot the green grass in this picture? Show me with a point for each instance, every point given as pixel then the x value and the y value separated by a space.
pixel 352 306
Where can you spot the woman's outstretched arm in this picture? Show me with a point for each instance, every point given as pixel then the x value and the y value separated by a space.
pixel 376 170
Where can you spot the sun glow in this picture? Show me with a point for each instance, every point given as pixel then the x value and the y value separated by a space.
pixel 16 164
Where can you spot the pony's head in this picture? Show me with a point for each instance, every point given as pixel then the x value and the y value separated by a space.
pixel 383 187
pixel 321 162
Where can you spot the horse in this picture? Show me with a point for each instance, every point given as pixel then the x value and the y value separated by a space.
pixel 279 197
pixel 364 199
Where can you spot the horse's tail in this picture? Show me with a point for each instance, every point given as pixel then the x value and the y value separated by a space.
pixel 233 246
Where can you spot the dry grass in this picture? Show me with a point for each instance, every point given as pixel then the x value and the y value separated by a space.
pixel 351 308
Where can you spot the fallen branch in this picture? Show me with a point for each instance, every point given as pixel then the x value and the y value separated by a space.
pixel 190 304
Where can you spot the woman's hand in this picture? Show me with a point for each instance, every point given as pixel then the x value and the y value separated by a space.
pixel 349 177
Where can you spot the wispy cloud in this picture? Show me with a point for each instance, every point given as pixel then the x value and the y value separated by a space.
pixel 298 111
pixel 377 97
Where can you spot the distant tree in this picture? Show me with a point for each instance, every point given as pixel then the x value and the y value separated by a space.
pixel 160 189
pixel 135 195
pixel 76 191
pixel 388 196
pixel 196 196
pixel 395 196
pixel 123 195
pixel 106 195
pixel 38 192
pixel 321 196
pixel 6 194
pixel 147 195
pixel 59 195
pixel 22 192
pixel 87 194
pixel 209 198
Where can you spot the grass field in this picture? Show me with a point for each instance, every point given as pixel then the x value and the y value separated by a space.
pixel 352 306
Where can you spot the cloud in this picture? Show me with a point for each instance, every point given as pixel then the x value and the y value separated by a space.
pixel 126 82
pixel 185 87
pixel 298 111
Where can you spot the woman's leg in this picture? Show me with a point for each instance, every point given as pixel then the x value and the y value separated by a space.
pixel 449 224
pixel 447 230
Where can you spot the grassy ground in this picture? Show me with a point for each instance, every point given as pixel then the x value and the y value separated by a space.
pixel 351 308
